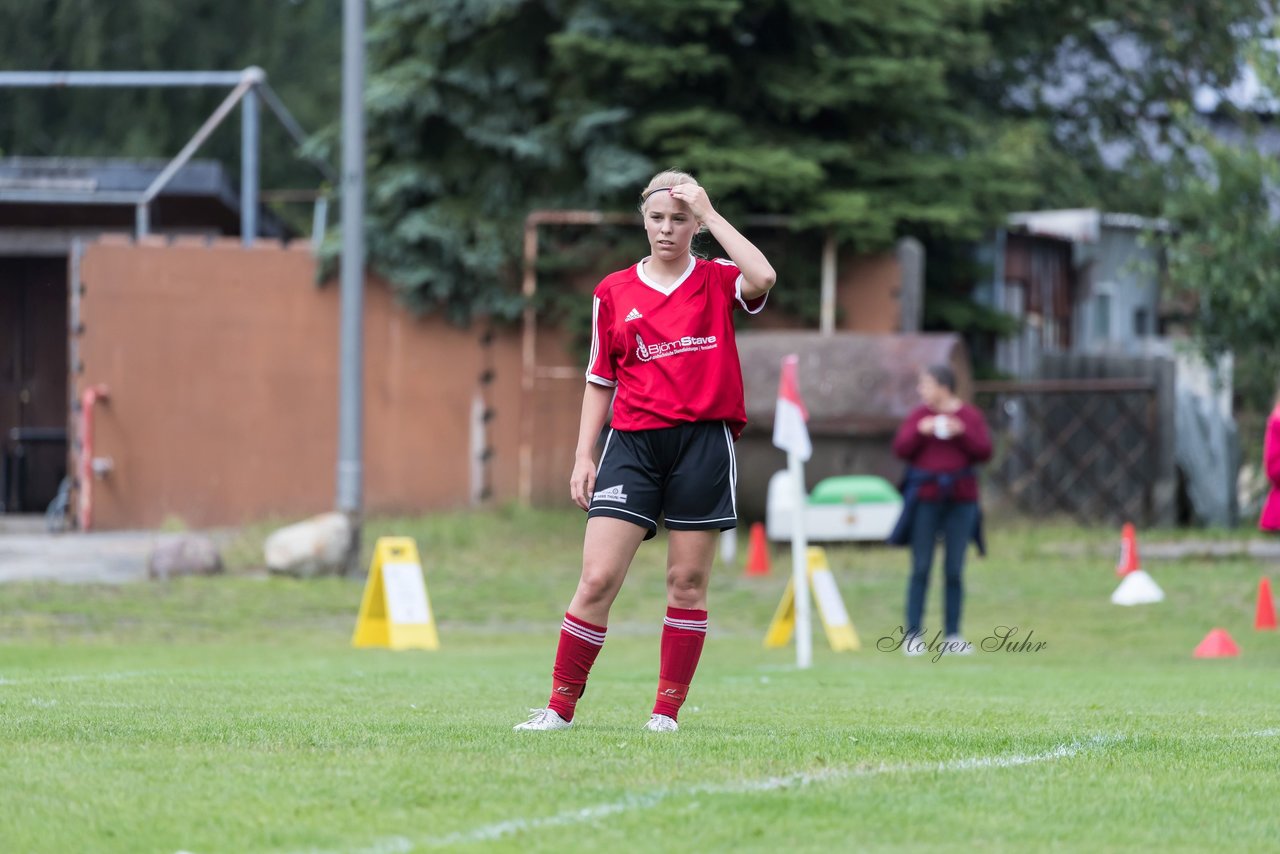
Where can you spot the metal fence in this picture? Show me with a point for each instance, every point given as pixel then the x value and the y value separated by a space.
pixel 1089 449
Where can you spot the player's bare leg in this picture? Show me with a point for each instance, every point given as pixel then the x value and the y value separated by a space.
pixel 607 551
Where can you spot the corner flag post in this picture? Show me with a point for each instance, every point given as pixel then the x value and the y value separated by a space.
pixel 800 565
pixel 791 434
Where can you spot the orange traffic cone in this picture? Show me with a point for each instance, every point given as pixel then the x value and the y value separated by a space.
pixel 1265 619
pixel 758 551
pixel 1216 644
pixel 1129 561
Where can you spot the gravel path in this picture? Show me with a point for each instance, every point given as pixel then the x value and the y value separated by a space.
pixel 107 558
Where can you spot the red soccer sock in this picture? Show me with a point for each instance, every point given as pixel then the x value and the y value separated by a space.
pixel 683 632
pixel 580 643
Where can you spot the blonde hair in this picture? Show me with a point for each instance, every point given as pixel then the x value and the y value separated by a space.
pixel 665 181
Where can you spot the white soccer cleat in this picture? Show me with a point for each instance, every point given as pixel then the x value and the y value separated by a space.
pixel 915 645
pixel 543 719
pixel 661 723
pixel 956 645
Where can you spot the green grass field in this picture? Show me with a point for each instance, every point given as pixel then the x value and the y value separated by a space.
pixel 231 714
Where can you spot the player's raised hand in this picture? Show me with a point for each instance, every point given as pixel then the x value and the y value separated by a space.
pixel 695 197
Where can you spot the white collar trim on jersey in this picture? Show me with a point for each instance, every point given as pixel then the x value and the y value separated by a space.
pixel 667 291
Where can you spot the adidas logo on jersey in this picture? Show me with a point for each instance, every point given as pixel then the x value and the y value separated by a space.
pixel 634 315
pixel 613 493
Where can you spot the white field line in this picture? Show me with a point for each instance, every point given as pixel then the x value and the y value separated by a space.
pixel 1221 736
pixel 110 676
pixel 498 830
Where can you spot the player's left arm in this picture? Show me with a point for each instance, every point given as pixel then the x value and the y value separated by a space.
pixel 757 273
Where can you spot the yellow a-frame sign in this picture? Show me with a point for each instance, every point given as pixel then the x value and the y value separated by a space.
pixel 835 618
pixel 395 611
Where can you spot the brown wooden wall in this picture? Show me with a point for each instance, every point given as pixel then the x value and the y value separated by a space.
pixel 867 294
pixel 866 297
pixel 221 366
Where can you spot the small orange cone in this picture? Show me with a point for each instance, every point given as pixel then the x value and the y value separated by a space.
pixel 1216 644
pixel 1129 561
pixel 758 552
pixel 1265 619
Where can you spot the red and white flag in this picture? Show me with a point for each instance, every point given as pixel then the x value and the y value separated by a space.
pixel 790 432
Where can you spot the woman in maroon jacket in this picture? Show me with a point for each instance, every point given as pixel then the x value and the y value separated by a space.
pixel 941 440
pixel 1270 518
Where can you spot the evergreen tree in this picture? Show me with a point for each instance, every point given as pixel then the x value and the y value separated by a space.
pixel 841 114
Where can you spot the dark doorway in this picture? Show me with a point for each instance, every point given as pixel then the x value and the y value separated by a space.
pixel 33 381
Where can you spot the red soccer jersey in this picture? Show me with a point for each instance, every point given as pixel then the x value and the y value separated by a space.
pixel 671 352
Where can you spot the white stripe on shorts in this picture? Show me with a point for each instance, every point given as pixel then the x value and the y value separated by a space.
pixel 620 510
pixel 733 470
pixel 702 521
pixel 605 450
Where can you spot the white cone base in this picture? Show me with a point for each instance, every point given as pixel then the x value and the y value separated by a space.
pixel 1138 588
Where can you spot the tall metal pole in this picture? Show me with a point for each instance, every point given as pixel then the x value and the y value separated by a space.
pixel 351 365
pixel 800 563
pixel 249 136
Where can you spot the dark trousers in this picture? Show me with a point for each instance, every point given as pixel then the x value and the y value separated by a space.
pixel 954 521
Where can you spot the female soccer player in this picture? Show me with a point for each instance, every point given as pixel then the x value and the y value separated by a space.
pixel 663 353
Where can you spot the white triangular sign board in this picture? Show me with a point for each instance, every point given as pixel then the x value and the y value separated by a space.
pixel 1138 588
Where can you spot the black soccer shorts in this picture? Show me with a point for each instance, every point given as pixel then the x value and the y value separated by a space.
pixel 687 474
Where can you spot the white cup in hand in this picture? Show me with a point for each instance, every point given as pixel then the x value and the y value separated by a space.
pixel 942 426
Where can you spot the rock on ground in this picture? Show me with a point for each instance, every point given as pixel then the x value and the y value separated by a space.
pixel 312 548
pixel 188 554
